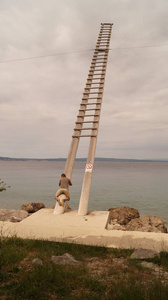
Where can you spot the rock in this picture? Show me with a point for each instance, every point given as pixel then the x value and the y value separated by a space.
pixel 115 226
pixel 92 259
pixel 123 215
pixel 144 254
pixel 15 219
pixel 37 261
pixel 65 259
pixel 32 207
pixel 147 224
pixel 128 219
pixel 119 260
pixel 12 215
pixel 152 266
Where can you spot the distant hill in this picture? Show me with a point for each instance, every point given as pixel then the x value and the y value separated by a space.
pixel 80 159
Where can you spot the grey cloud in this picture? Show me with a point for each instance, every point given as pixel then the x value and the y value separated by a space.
pixel 40 98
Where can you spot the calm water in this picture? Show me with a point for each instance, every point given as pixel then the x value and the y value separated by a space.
pixel 141 185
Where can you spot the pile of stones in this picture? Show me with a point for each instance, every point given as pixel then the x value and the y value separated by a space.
pixel 128 219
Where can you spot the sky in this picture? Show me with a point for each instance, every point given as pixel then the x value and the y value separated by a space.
pixel 40 97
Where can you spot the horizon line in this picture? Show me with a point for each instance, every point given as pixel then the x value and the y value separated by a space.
pixel 83 158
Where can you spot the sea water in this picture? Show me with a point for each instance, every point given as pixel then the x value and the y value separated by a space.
pixel 137 184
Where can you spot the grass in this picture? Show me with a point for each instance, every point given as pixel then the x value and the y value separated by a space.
pixel 113 275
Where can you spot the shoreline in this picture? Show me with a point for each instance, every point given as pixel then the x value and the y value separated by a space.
pixel 165 221
pixel 88 230
pixel 84 159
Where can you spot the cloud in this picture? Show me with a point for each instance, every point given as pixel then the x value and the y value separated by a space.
pixel 39 98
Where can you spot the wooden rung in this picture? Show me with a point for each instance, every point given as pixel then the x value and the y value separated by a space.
pixel 91 93
pixel 110 24
pixel 100 37
pixel 100 60
pixel 91 73
pixel 91 76
pixel 103 39
pixel 102 72
pixel 85 128
pixel 88 93
pixel 94 71
pixel 98 83
pixel 107 41
pixel 100 56
pixel 86 109
pixel 103 42
pixel 93 88
pixel 91 103
pixel 97 78
pixel 93 115
pixel 95 68
pixel 91 83
pixel 81 122
pixel 91 98
pixel 84 135
pixel 96 74
pixel 99 89
pixel 103 69
pixel 97 61
pixel 93 65
pixel 98 53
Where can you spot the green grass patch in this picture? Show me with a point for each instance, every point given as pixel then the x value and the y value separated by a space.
pixel 104 278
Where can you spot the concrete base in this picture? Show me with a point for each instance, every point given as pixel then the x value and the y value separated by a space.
pixel 59 210
pixel 89 230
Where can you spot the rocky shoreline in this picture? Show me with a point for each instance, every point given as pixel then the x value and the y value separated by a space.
pixel 13 215
pixel 120 218
pixel 128 219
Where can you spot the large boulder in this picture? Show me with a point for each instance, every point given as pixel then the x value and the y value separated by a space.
pixel 12 215
pixel 147 224
pixel 32 207
pixel 123 215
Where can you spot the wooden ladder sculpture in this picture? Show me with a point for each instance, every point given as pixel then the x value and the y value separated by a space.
pixel 89 113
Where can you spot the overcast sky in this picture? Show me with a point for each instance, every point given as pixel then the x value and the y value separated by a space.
pixel 40 98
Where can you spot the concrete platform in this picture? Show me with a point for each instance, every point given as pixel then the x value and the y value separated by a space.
pixel 89 230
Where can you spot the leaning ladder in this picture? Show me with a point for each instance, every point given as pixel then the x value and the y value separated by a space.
pixel 89 113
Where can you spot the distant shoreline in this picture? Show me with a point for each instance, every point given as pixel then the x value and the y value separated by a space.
pixel 83 159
